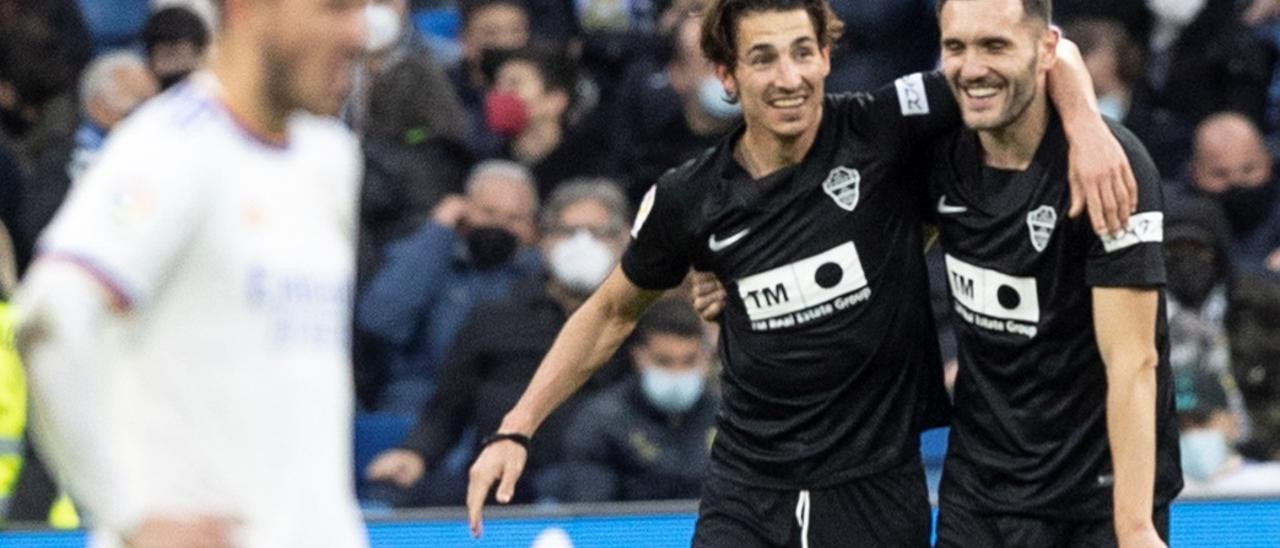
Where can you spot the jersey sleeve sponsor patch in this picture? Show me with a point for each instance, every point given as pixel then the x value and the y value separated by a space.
pixel 646 207
pixel 1143 228
pixel 912 97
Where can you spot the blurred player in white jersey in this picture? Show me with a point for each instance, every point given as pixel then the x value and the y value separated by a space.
pixel 186 325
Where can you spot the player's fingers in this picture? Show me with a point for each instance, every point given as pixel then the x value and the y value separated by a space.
pixel 1124 200
pixel 477 491
pixel 1109 211
pixel 511 471
pixel 1093 201
pixel 1077 196
pixel 1131 186
pixel 379 469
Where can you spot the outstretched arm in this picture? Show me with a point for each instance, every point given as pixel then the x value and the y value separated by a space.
pixel 589 338
pixel 1099 171
pixel 1125 324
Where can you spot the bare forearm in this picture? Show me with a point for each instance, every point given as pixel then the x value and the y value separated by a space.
pixel 1131 427
pixel 588 339
pixel 1071 89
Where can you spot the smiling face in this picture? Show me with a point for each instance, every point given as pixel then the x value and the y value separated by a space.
pixel 995 58
pixel 780 71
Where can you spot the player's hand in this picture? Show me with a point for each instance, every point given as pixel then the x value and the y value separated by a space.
pixel 708 295
pixel 502 462
pixel 194 532
pixel 1141 538
pixel 400 466
pixel 451 211
pixel 1273 261
pixel 1101 180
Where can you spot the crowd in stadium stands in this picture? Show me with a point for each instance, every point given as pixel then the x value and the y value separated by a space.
pixel 507 144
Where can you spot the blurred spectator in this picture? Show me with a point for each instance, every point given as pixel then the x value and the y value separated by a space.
pixel 113 86
pixel 1202 60
pixel 206 9
pixel 43 47
pixel 1261 11
pixel 1254 326
pixel 490 30
pixel 473 250
pixel 1211 465
pixel 1114 61
pixel 584 227
pixel 649 436
pixel 1232 165
pixel 1133 15
pixel 1196 241
pixel 175 40
pixel 529 104
pixel 670 112
pixel 883 39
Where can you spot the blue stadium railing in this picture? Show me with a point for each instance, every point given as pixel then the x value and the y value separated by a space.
pixel 1201 523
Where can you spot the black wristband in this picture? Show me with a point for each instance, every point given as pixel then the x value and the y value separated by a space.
pixel 495 437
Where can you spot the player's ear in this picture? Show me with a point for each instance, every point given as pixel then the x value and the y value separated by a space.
pixel 1049 43
pixel 725 74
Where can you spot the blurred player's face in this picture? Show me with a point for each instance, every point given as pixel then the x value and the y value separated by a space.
pixel 309 53
pixel 780 74
pixel 995 59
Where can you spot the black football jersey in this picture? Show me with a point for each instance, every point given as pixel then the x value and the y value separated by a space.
pixel 831 363
pixel 1029 434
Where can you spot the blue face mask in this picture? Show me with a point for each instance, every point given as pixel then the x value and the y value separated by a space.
pixel 713 99
pixel 1204 452
pixel 670 391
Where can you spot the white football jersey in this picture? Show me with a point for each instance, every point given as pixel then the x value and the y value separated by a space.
pixel 228 377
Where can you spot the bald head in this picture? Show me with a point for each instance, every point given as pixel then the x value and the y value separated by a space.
pixel 113 85
pixel 1229 153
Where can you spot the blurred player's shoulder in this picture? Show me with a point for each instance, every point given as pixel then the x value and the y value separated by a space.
pixel 695 174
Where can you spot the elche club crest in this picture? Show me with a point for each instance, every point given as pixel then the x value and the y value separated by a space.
pixel 1041 222
pixel 842 185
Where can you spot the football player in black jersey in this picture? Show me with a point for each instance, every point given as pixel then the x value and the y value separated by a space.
pixel 1064 431
pixel 811 212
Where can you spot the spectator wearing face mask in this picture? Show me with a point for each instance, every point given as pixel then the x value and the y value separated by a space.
pixel 529 105
pixel 672 111
pixel 1211 464
pixel 584 227
pixel 175 40
pixel 1231 164
pixel 649 436
pixel 490 30
pixel 473 250
pixel 1196 240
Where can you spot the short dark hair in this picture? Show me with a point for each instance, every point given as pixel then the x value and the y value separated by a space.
pixel 1039 9
pixel 720 24
pixel 556 70
pixel 669 316
pixel 467 9
pixel 172 25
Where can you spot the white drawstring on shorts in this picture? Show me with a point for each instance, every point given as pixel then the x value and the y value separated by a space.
pixel 802 516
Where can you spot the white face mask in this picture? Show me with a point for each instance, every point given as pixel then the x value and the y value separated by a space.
pixel 580 263
pixel 1204 453
pixel 1178 13
pixel 670 391
pixel 383 27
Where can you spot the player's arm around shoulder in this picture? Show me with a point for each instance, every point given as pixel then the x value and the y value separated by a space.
pixel 592 334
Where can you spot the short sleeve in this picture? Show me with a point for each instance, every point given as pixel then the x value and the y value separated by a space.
pixel 912 111
pixel 128 219
pixel 658 257
pixel 1134 258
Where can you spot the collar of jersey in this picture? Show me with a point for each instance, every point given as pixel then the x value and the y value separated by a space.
pixel 729 174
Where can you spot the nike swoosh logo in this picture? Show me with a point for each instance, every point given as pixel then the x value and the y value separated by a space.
pixel 720 245
pixel 945 209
